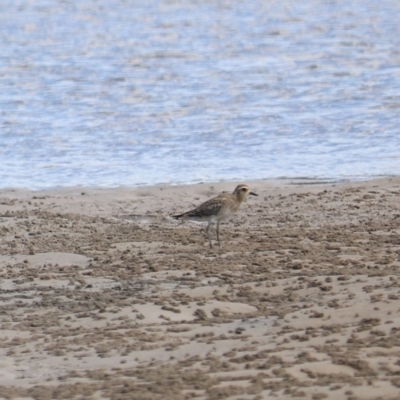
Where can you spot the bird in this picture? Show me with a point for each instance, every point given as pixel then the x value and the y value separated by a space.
pixel 217 209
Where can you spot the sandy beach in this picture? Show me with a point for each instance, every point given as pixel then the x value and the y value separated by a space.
pixel 104 296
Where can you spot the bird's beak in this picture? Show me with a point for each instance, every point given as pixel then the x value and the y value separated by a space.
pixel 253 194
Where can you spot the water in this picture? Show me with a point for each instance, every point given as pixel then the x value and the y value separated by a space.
pixel 124 92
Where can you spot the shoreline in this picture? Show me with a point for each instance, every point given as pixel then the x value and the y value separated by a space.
pixel 103 294
pixel 280 180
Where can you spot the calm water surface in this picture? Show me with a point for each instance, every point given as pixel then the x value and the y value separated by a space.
pixel 125 92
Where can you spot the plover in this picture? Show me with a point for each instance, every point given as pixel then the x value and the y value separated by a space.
pixel 217 209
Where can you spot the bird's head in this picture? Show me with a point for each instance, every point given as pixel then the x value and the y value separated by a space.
pixel 242 191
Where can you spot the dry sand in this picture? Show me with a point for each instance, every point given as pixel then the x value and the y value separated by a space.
pixel 103 296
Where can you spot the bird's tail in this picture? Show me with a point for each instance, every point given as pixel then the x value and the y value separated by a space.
pixel 177 216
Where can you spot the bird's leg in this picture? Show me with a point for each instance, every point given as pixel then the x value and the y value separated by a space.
pixel 208 234
pixel 219 244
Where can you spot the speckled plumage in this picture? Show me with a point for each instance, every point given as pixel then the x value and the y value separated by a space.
pixel 217 209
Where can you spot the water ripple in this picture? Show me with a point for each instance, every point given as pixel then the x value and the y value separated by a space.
pixel 117 93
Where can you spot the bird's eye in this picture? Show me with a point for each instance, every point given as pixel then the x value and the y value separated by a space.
pixel 244 189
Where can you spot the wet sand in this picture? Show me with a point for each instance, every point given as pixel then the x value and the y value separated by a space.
pixel 104 296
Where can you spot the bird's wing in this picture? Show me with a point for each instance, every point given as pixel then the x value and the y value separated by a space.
pixel 210 207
